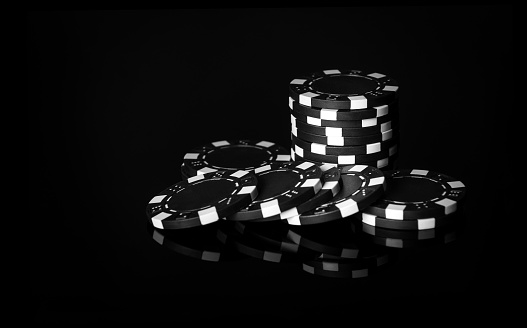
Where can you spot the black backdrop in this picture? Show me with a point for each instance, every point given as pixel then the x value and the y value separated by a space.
pixel 116 98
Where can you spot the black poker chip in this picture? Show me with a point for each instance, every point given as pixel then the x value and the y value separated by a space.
pixel 417 194
pixel 343 141
pixel 322 149
pixel 232 155
pixel 343 89
pixel 329 114
pixel 331 185
pixel 345 159
pixel 384 164
pixel 361 186
pixel 369 122
pixel 281 186
pixel 339 131
pixel 202 199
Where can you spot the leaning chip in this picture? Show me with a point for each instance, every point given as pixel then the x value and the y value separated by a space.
pixel 361 186
pixel 281 186
pixel 331 184
pixel 417 194
pixel 232 155
pixel 202 199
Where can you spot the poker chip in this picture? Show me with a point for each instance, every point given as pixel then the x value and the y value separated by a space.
pixel 363 123
pixel 345 159
pixel 281 186
pixel 329 114
pixel 340 132
pixel 342 141
pixel 331 184
pixel 417 194
pixel 322 149
pixel 418 224
pixel 343 89
pixel 385 164
pixel 202 199
pixel 232 155
pixel 361 186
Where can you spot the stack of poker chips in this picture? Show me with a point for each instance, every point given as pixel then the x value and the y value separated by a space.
pixel 344 117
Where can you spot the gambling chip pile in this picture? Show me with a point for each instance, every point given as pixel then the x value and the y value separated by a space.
pixel 334 201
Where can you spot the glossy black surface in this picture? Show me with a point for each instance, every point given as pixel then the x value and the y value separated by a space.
pixel 117 98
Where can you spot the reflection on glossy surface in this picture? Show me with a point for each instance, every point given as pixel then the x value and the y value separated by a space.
pixel 266 249
pixel 344 248
pixel 196 242
pixel 408 238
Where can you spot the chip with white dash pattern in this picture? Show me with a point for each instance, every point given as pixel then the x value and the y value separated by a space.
pixel 202 199
pixel 361 186
pixel 417 194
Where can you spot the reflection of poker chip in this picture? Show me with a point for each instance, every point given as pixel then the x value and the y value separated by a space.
pixel 329 114
pixel 352 273
pixel 273 233
pixel 361 185
pixel 202 199
pixel 437 195
pixel 343 89
pixel 407 238
pixel 232 155
pixel 232 234
pixel 281 186
pixel 346 268
pixel 334 239
pixel 200 243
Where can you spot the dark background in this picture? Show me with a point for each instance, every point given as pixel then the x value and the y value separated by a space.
pixel 116 98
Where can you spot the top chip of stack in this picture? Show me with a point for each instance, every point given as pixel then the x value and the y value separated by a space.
pixel 342 117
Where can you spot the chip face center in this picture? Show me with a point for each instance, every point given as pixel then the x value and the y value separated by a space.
pixel 350 184
pixel 238 157
pixel 412 189
pixel 274 183
pixel 345 85
pixel 210 191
